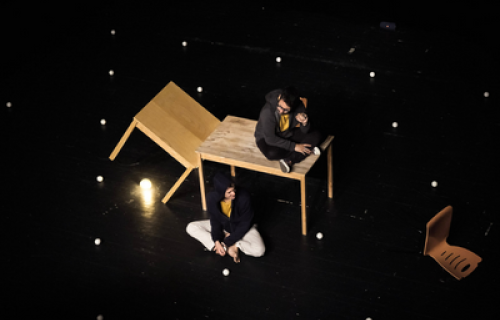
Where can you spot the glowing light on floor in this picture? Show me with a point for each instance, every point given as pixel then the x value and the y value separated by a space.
pixel 145 184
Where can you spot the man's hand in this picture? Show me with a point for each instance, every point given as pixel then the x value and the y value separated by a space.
pixel 219 249
pixel 302 148
pixel 302 118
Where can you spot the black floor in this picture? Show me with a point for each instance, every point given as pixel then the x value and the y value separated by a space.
pixel 431 75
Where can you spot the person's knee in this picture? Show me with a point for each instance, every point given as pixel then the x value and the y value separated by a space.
pixel 260 250
pixel 191 228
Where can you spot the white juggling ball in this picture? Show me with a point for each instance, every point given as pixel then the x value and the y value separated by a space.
pixel 394 124
pixel 184 43
pixel 225 272
pixel 8 104
pixel 97 241
pixel 372 74
pixel 103 121
pixel 434 184
pixel 486 94
pixel 278 59
pixel 319 235
pixel 99 178
pixel 199 89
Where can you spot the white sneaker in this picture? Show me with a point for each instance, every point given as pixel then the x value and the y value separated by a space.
pixel 316 151
pixel 284 166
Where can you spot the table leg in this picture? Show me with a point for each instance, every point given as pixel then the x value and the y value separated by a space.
pixel 330 172
pixel 233 172
pixel 177 184
pixel 303 204
pixel 202 184
pixel 122 141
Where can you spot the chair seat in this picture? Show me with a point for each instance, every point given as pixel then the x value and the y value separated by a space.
pixel 458 261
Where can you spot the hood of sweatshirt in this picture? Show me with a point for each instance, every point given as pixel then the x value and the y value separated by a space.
pixel 221 183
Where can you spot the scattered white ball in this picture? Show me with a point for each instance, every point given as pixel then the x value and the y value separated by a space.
pixel 111 72
pixel 8 104
pixel 145 184
pixel 103 121
pixel 100 317
pixel 199 89
pixel 225 272
pixel 97 241
pixel 394 124
pixel 184 43
pixel 278 59
pixel 100 179
pixel 372 74
pixel 319 235
pixel 113 32
pixel 434 184
pixel 368 318
pixel 486 94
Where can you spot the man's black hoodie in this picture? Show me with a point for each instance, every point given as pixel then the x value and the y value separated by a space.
pixel 267 127
pixel 241 212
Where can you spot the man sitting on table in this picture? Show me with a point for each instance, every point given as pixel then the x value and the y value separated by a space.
pixel 230 224
pixel 276 133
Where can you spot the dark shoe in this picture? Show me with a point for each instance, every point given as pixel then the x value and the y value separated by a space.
pixel 285 167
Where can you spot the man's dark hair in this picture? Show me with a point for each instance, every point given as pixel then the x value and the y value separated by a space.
pixel 290 95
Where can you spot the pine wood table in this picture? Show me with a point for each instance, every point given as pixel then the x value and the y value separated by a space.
pixel 233 143
pixel 177 123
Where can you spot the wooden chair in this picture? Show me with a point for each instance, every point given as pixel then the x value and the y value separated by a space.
pixel 177 123
pixel 459 262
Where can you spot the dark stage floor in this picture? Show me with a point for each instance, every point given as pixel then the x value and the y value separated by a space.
pixel 430 79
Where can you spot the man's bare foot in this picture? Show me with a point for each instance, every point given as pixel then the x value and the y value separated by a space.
pixel 234 252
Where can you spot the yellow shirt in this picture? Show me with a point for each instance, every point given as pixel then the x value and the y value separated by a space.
pixel 284 122
pixel 226 208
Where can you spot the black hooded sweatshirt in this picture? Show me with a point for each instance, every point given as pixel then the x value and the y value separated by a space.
pixel 268 126
pixel 241 212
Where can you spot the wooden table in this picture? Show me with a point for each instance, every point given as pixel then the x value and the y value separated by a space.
pixel 233 143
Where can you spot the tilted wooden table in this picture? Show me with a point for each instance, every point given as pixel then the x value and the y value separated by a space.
pixel 233 143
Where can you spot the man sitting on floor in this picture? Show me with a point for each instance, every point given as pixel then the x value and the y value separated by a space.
pixel 230 224
pixel 276 133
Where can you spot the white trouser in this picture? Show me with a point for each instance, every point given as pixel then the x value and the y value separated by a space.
pixel 251 243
